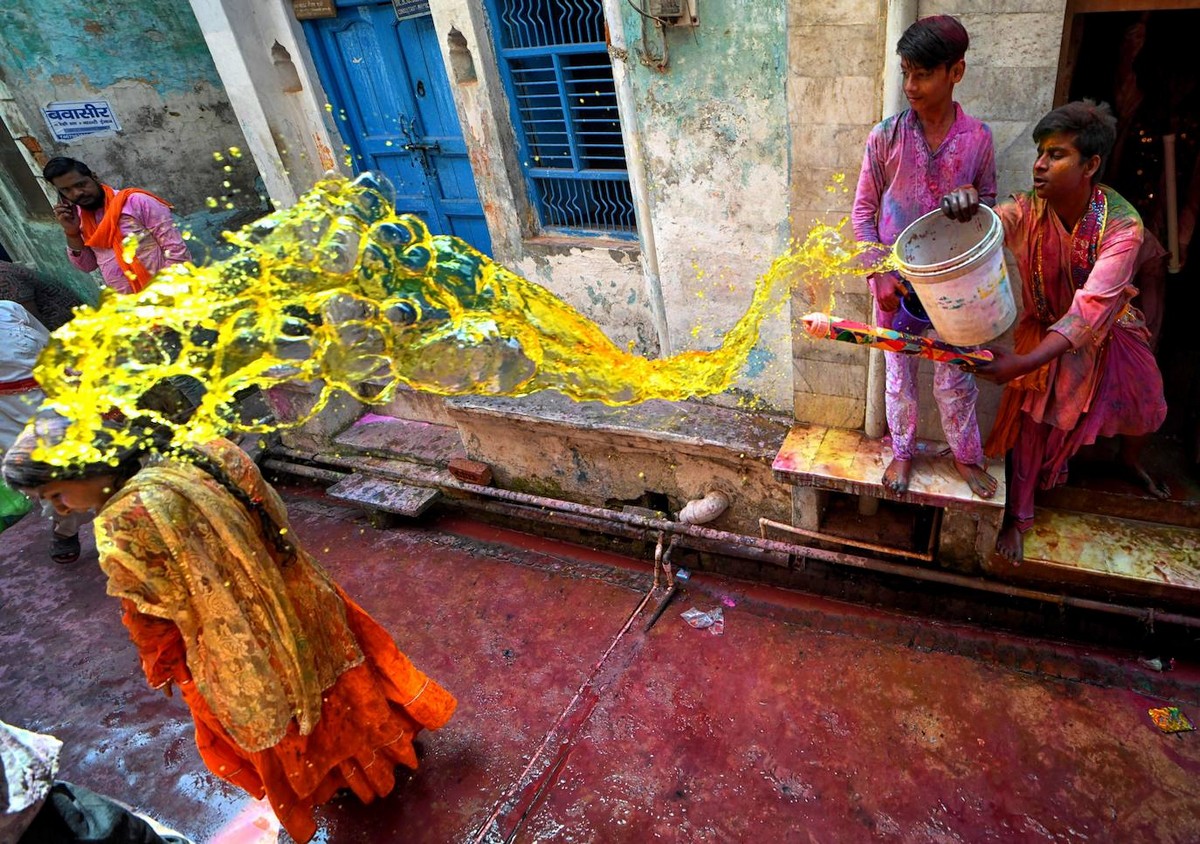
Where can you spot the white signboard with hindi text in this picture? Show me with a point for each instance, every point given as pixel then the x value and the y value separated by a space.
pixel 71 121
pixel 410 8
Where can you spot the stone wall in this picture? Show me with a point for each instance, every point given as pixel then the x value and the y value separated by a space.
pixel 835 70
pixel 1012 68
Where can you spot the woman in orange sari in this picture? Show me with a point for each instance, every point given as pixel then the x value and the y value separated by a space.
pixel 295 691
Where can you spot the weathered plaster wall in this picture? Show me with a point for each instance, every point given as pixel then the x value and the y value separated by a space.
pixel 602 278
pixel 835 71
pixel 148 59
pixel 714 127
pixel 714 131
pixel 27 230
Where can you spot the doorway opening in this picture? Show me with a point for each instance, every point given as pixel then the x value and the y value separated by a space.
pixel 1139 60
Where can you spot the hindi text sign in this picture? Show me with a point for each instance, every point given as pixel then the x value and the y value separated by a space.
pixel 307 10
pixel 70 121
pixel 410 8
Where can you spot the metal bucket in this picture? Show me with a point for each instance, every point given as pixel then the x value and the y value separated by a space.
pixel 957 271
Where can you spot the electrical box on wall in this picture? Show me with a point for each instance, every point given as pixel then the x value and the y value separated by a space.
pixel 674 12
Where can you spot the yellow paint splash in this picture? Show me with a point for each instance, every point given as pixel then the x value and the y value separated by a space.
pixel 342 292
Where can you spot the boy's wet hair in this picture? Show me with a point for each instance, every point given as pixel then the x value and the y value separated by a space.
pixel 933 42
pixel 1091 125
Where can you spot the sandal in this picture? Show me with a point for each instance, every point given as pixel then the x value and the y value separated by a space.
pixel 65 549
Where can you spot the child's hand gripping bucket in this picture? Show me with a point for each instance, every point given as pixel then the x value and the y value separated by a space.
pixel 957 270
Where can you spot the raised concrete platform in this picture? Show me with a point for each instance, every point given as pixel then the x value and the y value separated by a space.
pixel 850 461
pixel 1117 555
pixel 595 454
pixel 817 460
pixel 688 425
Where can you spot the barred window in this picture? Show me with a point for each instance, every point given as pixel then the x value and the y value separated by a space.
pixel 556 69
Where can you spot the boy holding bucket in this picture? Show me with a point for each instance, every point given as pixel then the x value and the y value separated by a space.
pixel 1082 367
pixel 912 160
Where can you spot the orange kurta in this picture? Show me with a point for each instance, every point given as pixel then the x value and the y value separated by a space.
pixel 319 698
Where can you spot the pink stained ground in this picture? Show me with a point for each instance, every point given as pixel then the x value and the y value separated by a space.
pixel 807 720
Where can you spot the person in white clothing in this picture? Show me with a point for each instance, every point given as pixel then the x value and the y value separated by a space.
pixel 22 339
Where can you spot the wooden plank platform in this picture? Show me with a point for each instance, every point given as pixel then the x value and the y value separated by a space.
pixel 384 494
pixel 1118 554
pixel 849 461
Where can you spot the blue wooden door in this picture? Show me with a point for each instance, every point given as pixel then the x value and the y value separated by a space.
pixel 389 90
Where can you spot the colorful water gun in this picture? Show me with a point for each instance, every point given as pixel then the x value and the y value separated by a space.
pixel 826 327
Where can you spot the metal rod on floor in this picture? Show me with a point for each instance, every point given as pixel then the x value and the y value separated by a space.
pixel 539 508
pixel 763 524
pixel 304 471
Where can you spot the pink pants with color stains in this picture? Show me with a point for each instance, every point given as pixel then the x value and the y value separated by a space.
pixel 954 391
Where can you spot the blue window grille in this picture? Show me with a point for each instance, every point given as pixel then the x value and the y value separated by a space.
pixel 555 66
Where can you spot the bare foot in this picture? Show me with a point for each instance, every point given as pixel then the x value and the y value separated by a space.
pixel 1137 475
pixel 978 479
pixel 896 475
pixel 1010 544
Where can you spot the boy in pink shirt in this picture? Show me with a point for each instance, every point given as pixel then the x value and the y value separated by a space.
pixel 912 160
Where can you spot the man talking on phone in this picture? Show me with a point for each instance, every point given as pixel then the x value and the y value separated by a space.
pixel 98 221
pixel 102 225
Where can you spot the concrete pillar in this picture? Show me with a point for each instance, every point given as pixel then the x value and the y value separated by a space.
pixel 283 118
pixel 900 15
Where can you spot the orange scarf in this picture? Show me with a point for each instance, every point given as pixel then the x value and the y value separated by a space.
pixel 106 234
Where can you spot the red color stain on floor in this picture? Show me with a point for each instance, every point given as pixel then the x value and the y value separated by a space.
pixel 774 731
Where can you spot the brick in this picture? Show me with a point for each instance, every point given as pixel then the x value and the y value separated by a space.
pixel 471 471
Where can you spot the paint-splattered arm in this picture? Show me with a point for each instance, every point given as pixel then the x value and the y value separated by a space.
pixel 868 195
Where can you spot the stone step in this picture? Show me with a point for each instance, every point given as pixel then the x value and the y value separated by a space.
pixel 386 494
pixel 1096 486
pixel 1116 555
pixel 388 437
pixel 849 461
pixel 393 468
pixel 1133 505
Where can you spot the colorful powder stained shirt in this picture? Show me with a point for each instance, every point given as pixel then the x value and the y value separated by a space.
pixel 902 179
pixel 159 243
pixel 1085 298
